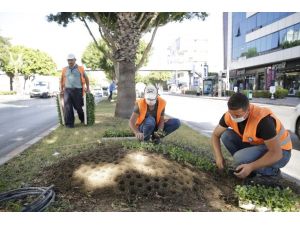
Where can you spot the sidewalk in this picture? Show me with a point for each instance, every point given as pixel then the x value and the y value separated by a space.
pixel 288 101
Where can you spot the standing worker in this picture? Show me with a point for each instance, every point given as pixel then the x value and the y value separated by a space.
pixel 255 138
pixel 74 83
pixel 111 88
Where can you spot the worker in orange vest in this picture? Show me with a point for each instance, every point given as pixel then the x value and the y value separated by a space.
pixel 148 117
pixel 74 83
pixel 255 138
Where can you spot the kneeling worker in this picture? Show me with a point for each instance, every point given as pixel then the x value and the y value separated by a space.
pixel 255 138
pixel 147 120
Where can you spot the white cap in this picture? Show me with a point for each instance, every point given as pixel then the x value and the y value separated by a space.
pixel 71 56
pixel 150 92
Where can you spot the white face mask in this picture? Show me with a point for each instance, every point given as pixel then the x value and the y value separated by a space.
pixel 239 119
pixel 151 102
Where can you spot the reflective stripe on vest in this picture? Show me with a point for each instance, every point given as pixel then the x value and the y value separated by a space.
pixel 82 79
pixel 256 114
pixel 143 110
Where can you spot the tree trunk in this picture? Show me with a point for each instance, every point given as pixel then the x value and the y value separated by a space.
pixel 126 90
pixel 11 83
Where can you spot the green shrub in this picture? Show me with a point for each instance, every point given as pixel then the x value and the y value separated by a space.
pixel 190 92
pixel 261 94
pixel 274 198
pixel 90 109
pixel 281 93
pixel 298 94
pixel 8 92
pixel 229 93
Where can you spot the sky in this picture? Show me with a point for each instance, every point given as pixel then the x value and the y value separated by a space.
pixel 34 31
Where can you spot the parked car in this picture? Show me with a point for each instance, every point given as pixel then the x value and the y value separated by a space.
pixel 105 91
pixel 43 89
pixel 295 121
pixel 97 92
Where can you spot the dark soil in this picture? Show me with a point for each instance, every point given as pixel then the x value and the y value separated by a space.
pixel 113 179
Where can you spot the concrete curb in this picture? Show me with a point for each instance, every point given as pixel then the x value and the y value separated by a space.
pixel 23 147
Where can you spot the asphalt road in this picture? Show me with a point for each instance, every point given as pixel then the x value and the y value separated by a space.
pixel 21 121
pixel 203 114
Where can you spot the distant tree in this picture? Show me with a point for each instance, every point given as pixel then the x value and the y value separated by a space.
pixel 4 51
pixel 159 78
pixel 122 32
pixel 95 59
pixel 28 62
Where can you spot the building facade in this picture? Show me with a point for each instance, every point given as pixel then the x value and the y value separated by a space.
pixel 262 50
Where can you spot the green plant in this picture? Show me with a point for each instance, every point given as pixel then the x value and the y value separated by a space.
pixel 58 110
pixel 176 153
pixel 190 92
pixel 289 44
pixel 118 133
pixel 275 199
pixel 8 92
pixel 90 109
pixel 281 93
pixel 261 94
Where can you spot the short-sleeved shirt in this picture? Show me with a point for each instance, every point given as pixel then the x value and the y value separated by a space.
pixel 266 128
pixel 73 77
pixel 152 113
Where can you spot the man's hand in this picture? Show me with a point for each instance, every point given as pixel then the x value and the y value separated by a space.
pixel 160 133
pixel 243 171
pixel 220 163
pixel 139 136
pixel 87 90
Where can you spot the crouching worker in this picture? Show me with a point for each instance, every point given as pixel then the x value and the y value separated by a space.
pixel 148 117
pixel 255 138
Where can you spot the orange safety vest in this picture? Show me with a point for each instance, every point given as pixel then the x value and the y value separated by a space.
pixel 143 110
pixel 64 77
pixel 256 114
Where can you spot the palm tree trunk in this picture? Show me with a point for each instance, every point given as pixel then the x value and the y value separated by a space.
pixel 126 89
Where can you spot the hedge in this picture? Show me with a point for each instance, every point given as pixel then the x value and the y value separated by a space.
pixel 8 92
pixel 90 104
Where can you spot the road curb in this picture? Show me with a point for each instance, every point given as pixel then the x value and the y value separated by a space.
pixel 23 147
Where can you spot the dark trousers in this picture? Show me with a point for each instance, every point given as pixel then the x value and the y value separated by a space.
pixel 73 99
pixel 110 95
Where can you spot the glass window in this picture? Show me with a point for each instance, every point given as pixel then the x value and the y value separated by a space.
pixel 263 44
pixel 275 40
pixel 270 17
pixel 258 20
pixel 282 36
pixel 263 19
pixel 251 23
pixel 290 34
pixel 268 42
pixel 257 45
pixel 276 16
pixel 297 32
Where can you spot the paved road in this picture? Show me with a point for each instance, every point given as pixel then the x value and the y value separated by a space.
pixel 23 120
pixel 203 114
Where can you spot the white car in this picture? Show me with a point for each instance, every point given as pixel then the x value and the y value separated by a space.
pixel 295 121
pixel 97 92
